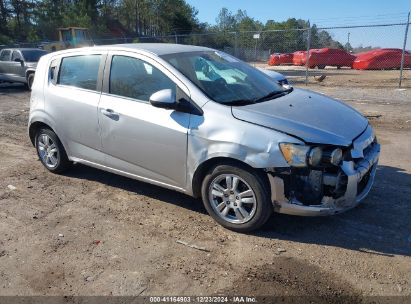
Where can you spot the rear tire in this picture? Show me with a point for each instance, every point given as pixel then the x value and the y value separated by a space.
pixel 51 152
pixel 321 66
pixel 236 197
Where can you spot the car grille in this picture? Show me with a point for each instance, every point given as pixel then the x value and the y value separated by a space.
pixel 365 179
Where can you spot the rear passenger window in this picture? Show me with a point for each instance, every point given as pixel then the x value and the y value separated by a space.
pixel 134 78
pixel 5 55
pixel 80 71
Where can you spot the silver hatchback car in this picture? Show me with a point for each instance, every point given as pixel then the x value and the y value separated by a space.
pixel 202 122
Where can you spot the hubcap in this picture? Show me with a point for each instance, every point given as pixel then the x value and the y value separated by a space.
pixel 47 150
pixel 232 198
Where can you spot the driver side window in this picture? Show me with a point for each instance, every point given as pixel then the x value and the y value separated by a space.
pixel 137 79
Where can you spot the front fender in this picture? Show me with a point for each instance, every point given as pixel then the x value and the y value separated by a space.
pixel 218 134
pixel 29 71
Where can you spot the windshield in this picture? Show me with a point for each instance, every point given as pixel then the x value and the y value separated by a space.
pixel 224 78
pixel 33 55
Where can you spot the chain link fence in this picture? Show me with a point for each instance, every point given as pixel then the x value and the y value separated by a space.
pixel 361 55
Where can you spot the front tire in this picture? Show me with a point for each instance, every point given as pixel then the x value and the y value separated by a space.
pixel 30 79
pixel 51 152
pixel 236 197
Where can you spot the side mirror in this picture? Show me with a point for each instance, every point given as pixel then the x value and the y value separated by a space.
pixel 164 99
pixel 19 60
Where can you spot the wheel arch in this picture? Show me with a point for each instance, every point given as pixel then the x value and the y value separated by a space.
pixel 205 166
pixel 34 127
pixel 28 72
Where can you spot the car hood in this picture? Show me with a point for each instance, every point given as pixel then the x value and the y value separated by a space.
pixel 312 117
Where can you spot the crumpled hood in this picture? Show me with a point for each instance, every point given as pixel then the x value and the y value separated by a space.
pixel 312 117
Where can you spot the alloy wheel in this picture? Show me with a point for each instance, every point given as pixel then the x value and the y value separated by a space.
pixel 48 151
pixel 232 198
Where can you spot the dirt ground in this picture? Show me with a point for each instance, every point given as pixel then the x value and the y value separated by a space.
pixel 89 232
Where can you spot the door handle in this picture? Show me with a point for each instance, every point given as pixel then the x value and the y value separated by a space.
pixel 110 113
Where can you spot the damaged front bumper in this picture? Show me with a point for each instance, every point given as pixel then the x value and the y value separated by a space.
pixel 359 178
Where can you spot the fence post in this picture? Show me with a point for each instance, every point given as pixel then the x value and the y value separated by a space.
pixel 255 50
pixel 403 49
pixel 308 53
pixel 235 44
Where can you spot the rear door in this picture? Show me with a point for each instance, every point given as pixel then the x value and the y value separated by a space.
pixel 72 99
pixel 138 138
pixel 5 56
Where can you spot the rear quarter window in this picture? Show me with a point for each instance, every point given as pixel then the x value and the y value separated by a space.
pixel 80 71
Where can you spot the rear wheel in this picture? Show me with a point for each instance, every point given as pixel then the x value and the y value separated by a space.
pixel 237 198
pixel 321 66
pixel 51 152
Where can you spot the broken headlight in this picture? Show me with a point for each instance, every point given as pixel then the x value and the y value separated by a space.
pixel 301 155
pixel 333 157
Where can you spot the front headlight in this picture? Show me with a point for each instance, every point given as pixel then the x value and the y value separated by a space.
pixel 301 155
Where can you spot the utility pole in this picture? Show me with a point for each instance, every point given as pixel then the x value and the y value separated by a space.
pixel 307 59
pixel 348 37
pixel 403 48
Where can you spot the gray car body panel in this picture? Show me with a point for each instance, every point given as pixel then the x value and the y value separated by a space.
pixel 167 147
pixel 307 115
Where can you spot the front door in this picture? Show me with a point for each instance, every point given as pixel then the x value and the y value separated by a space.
pixel 137 138
pixel 17 67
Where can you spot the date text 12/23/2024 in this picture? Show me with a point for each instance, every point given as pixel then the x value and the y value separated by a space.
pixel 203 299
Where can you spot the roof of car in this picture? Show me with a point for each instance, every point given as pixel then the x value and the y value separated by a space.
pixel 23 49
pixel 162 48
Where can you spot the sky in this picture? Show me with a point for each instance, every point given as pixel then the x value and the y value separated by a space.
pixel 325 14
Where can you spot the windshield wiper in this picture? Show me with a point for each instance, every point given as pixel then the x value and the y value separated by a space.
pixel 240 102
pixel 274 94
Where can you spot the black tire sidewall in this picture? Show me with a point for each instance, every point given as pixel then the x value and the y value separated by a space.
pixel 30 80
pixel 263 205
pixel 62 162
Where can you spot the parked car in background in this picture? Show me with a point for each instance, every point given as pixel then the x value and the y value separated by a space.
pixel 206 70
pixel 281 58
pixel 321 58
pixel 380 59
pixel 19 65
pixel 280 78
pixel 299 57
pixel 204 123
